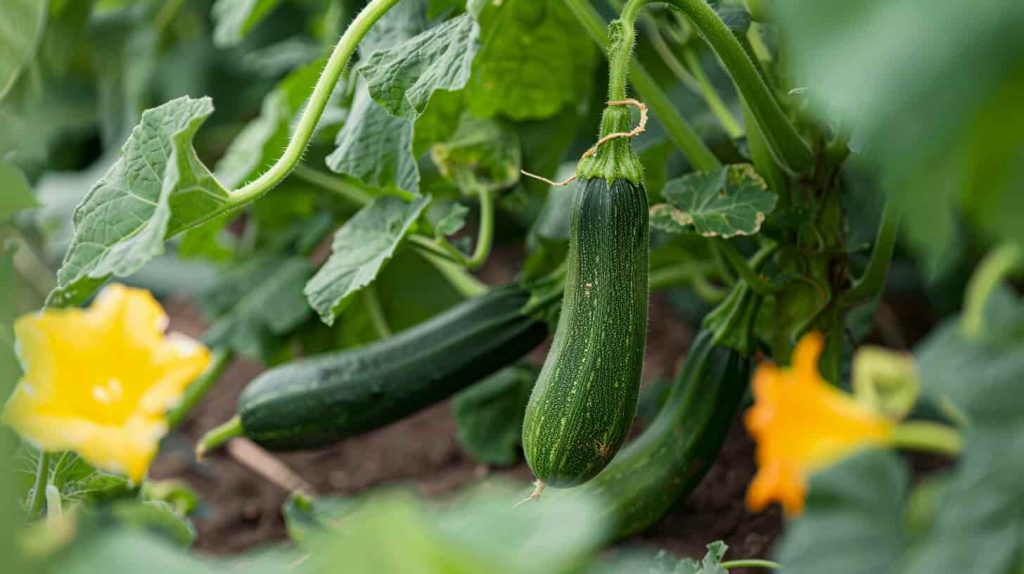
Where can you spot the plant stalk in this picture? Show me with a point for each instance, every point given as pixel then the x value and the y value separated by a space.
pixel 1002 261
pixel 198 389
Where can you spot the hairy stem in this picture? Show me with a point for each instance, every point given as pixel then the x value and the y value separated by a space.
pixel 679 131
pixel 317 103
pixel 786 144
pixel 35 506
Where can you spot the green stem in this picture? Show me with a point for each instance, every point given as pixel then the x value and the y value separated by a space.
pixel 927 436
pixel 317 103
pixel 677 128
pixel 54 508
pixel 751 563
pixel 872 282
pixel 217 436
pixel 198 389
pixel 757 284
pixel 35 505
pixel 336 184
pixel 380 322
pixel 786 144
pixel 467 285
pixel 692 274
pixel 669 58
pixel 620 49
pixel 166 14
pixel 484 240
pixel 998 264
pixel 714 101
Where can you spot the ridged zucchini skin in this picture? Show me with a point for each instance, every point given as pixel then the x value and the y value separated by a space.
pixel 585 398
pixel 319 400
pixel 671 456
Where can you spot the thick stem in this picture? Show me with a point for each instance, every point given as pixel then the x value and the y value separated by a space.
pixel 677 128
pixel 316 104
pixel 927 436
pixel 872 282
pixel 198 389
pixel 786 144
pixel 622 39
pixel 996 265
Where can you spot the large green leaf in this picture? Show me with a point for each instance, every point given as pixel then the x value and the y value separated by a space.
pixel 403 77
pixel 20 30
pixel 853 520
pixel 235 18
pixel 361 248
pixel 155 189
pixel 257 303
pixel 932 91
pixel 534 60
pixel 731 201
pixel 376 147
pixel 482 155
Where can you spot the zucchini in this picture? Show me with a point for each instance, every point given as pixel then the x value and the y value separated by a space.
pixel 672 455
pixel 319 400
pixel 586 394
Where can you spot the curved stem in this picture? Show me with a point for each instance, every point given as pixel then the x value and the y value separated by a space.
pixel 996 265
pixel 927 436
pixel 787 145
pixel 198 389
pixel 54 508
pixel 714 101
pixel 485 234
pixel 872 282
pixel 669 58
pixel 751 563
pixel 467 285
pixel 756 283
pixel 620 49
pixel 35 505
pixel 317 103
pixel 677 128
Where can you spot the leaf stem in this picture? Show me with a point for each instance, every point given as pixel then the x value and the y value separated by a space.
pixel 751 563
pixel 714 101
pixel 693 274
pixel 1002 261
pixel 336 64
pixel 336 184
pixel 380 322
pixel 757 284
pixel 927 436
pixel 872 282
pixel 467 285
pixel 198 389
pixel 786 144
pixel 484 240
pixel 35 505
pixel 679 131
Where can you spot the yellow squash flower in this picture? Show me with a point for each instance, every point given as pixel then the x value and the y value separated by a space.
pixel 99 381
pixel 802 424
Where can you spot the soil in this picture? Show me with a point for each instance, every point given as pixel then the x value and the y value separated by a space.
pixel 242 510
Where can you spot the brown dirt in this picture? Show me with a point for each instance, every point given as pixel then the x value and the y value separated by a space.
pixel 242 510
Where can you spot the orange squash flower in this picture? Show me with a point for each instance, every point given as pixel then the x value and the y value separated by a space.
pixel 99 381
pixel 802 424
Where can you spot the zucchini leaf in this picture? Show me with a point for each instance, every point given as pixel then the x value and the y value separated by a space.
pixel 361 248
pixel 534 60
pixel 724 203
pixel 403 78
pixel 156 188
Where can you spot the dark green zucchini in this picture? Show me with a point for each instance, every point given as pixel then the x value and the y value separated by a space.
pixel 672 455
pixel 319 400
pixel 586 395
